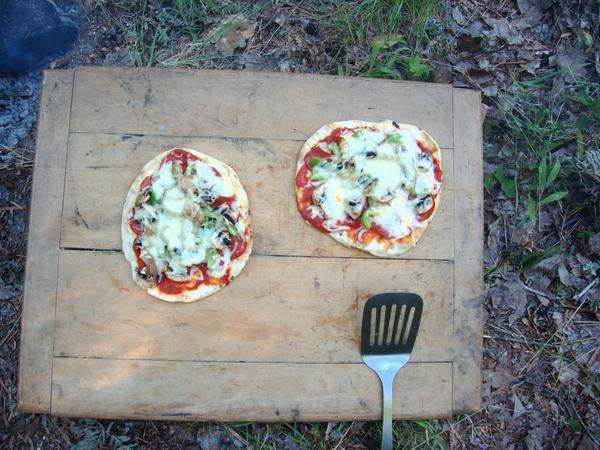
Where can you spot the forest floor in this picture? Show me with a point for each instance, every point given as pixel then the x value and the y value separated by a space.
pixel 537 63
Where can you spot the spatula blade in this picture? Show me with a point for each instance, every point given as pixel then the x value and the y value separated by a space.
pixel 390 323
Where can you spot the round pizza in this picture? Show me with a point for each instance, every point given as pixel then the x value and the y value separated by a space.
pixel 372 186
pixel 186 226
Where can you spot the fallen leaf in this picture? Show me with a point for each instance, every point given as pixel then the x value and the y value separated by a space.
pixel 519 409
pixel 538 437
pixel 566 277
pixel 531 10
pixel 510 294
pixel 236 37
pixel 467 43
pixel 505 30
pixel 458 16
pixel 566 373
pixel 441 73
pixel 594 243
pixel 572 60
pixel 501 378
pixel 551 263
pixel 593 364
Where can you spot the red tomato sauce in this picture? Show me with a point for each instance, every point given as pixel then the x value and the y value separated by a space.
pixel 427 214
pixel 140 263
pixel 135 226
pixel 336 135
pixel 222 200
pixel 437 170
pixel 216 172
pixel 179 155
pixel 424 148
pixel 169 286
pixel 146 183
pixel 238 246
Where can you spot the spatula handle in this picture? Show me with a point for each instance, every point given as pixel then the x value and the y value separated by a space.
pixel 387 383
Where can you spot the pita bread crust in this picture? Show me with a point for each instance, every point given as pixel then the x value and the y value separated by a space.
pixel 128 236
pixel 383 247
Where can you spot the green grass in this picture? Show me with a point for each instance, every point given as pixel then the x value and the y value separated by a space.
pixel 380 38
pixel 178 33
pixel 407 434
pixel 543 137
pixel 548 160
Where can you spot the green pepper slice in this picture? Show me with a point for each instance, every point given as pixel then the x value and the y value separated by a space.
pixel 211 258
pixel 365 219
pixel 152 199
pixel 314 161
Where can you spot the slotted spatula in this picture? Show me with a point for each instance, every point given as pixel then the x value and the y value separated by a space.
pixel 389 328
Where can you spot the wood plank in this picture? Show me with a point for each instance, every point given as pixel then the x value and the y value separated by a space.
pixel 37 328
pixel 227 392
pixel 280 309
pixel 92 216
pixel 248 104
pixel 468 287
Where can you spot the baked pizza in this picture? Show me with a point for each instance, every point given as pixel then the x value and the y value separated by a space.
pixel 373 186
pixel 186 226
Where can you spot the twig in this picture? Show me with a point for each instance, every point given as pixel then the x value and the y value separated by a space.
pixel 237 435
pixel 279 27
pixel 520 341
pixel 343 437
pixel 535 291
pixel 585 289
pixel 467 417
pixel 543 347
pixel 585 427
pixel 10 332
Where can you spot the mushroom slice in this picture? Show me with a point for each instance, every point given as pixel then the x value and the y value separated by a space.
pixel 177 169
pixel 187 185
pixel 424 204
pixel 143 197
pixel 148 274
pixel 191 209
pixel 354 207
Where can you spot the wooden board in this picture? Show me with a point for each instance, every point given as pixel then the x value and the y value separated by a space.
pixel 281 342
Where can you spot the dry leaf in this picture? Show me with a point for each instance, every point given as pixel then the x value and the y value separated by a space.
pixel 505 30
pixel 519 409
pixel 236 37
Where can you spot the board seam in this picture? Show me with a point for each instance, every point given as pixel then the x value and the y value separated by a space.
pixel 196 136
pixel 60 236
pixel 275 255
pixel 217 361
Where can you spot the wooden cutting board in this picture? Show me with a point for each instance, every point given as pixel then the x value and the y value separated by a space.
pixel 281 343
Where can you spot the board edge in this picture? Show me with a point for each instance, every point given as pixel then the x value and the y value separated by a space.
pixel 34 386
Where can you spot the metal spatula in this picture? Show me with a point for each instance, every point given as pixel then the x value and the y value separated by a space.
pixel 389 329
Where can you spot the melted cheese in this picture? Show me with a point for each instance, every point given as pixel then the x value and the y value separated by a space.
pixel 334 194
pixel 384 168
pixel 174 240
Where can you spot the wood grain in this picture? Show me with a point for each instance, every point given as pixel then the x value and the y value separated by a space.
pixel 229 392
pixel 281 342
pixel 37 329
pixel 255 105
pixel 280 309
pixel 92 217
pixel 468 284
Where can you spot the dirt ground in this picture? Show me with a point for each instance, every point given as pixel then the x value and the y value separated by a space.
pixel 537 64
